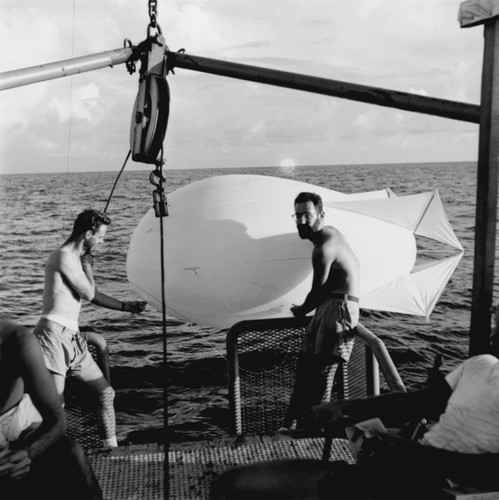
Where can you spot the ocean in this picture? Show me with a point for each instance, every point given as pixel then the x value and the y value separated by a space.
pixel 36 215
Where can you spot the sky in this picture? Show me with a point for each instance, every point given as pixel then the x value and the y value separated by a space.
pixel 82 123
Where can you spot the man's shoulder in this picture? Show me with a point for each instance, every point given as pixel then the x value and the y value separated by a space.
pixel 61 255
pixel 481 360
pixel 329 235
pixel 476 365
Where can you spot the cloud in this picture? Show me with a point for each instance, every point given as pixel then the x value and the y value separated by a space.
pixel 410 46
pixel 81 104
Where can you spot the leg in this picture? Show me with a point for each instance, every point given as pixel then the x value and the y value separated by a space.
pixel 92 375
pixel 309 387
pixel 60 383
pixel 288 480
pixel 61 472
pixel 64 472
pixel 82 479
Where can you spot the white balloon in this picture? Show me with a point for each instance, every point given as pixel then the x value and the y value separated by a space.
pixel 232 251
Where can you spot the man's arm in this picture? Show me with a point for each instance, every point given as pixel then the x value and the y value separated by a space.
pixel 321 263
pixel 40 386
pixel 77 273
pixel 103 300
pixel 394 409
pixel 24 352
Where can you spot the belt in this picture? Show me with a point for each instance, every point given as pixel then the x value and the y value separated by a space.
pixel 343 296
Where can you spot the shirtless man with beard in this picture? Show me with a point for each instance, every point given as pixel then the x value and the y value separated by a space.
pixel 334 295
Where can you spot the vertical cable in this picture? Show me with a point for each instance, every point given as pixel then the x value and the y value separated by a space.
pixel 166 468
pixel 68 153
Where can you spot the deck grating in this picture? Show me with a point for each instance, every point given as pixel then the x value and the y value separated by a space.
pixel 136 472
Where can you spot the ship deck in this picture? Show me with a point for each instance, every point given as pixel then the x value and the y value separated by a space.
pixel 137 472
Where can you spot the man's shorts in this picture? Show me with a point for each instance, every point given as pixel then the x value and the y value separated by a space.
pixel 65 351
pixel 22 417
pixel 330 332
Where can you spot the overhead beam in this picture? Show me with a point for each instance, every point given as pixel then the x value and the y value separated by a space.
pixel 59 69
pixel 325 86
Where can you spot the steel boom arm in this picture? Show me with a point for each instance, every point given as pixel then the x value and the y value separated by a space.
pixel 355 92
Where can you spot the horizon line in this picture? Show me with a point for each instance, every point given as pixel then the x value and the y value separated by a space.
pixel 332 165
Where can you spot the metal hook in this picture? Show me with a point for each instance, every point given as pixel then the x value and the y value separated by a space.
pixel 155 178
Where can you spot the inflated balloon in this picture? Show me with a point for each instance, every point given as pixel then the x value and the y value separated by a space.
pixel 232 252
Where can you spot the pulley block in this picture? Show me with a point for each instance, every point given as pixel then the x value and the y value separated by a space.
pixel 152 105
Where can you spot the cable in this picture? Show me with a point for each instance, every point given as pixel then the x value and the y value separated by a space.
pixel 166 468
pixel 70 125
pixel 116 180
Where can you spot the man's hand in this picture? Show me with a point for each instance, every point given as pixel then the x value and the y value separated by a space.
pixel 135 307
pixel 14 463
pixel 87 259
pixel 297 311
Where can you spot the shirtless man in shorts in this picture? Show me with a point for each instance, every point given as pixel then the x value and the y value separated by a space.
pixel 334 294
pixel 69 280
pixel 34 454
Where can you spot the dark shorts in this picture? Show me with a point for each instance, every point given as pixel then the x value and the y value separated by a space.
pixel 330 330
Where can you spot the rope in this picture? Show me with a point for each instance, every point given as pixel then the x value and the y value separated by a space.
pixel 70 125
pixel 116 180
pixel 166 475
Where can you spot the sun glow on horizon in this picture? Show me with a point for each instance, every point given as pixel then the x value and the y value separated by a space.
pixel 287 165
pixel 287 162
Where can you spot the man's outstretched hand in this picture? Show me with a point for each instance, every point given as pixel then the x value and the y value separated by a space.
pixel 135 307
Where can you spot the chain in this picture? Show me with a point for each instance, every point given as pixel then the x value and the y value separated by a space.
pixel 153 13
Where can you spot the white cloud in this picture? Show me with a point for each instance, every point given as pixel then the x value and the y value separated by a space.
pixel 80 106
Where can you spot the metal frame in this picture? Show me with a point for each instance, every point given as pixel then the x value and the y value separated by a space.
pixel 376 358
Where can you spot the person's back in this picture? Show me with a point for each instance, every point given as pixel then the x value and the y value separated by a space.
pixel 470 422
pixel 344 271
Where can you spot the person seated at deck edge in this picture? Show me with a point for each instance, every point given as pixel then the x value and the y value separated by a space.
pixel 462 446
pixel 68 280
pixel 36 460
pixel 334 294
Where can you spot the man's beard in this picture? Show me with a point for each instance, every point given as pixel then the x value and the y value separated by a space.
pixel 305 231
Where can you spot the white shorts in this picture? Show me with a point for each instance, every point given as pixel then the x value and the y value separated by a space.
pixel 65 351
pixel 14 422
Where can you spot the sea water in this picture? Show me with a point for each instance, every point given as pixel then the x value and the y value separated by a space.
pixel 36 215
